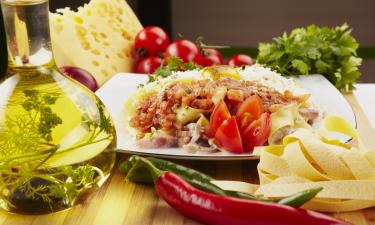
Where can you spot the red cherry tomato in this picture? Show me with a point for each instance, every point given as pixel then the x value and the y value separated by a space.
pixel 218 116
pixel 151 41
pixel 211 57
pixel 228 136
pixel 240 60
pixel 249 110
pixel 213 51
pixel 257 133
pixel 136 57
pixel 148 65
pixel 211 60
pixel 185 50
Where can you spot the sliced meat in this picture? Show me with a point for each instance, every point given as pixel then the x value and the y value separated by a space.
pixel 197 139
pixel 278 136
pixel 183 137
pixel 310 115
pixel 158 142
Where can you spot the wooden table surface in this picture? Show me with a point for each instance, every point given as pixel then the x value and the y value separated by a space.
pixel 120 203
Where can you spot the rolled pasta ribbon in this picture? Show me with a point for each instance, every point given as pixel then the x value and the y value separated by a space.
pixel 308 159
pixel 284 121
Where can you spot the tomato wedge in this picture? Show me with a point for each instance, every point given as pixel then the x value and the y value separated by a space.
pixel 241 133
pixel 218 116
pixel 249 110
pixel 257 133
pixel 228 136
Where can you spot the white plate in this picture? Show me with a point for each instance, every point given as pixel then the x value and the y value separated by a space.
pixel 115 92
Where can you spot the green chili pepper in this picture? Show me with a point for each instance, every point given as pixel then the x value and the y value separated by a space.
pixel 201 180
pixel 206 186
pixel 142 175
pixel 138 175
pixel 180 170
pixel 297 200
pixel 241 195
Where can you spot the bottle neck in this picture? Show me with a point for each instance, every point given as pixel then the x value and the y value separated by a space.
pixel 3 50
pixel 27 32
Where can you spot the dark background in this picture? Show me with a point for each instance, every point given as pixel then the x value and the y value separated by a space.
pixel 242 24
pixel 150 12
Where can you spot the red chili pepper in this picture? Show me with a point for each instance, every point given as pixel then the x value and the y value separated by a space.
pixel 223 210
pixel 215 209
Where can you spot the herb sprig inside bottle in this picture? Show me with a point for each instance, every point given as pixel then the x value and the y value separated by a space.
pixel 56 138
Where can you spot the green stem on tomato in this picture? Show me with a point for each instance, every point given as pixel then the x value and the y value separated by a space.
pixel 202 45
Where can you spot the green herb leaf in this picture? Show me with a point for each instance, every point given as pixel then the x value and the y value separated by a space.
pixel 174 64
pixel 331 52
pixel 301 66
pixel 40 103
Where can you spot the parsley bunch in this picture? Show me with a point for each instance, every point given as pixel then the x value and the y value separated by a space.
pixel 315 50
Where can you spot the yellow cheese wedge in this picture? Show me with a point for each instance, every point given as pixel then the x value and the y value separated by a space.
pixel 98 37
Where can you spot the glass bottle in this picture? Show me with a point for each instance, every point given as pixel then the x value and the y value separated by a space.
pixel 56 138
pixel 3 49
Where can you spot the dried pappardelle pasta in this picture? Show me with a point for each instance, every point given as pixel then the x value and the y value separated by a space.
pixel 309 159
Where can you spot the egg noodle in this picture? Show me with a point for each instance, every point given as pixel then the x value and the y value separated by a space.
pixel 307 159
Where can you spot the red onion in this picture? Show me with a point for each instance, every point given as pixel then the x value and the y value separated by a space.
pixel 82 76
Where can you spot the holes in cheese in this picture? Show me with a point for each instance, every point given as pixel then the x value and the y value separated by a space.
pixel 78 20
pixel 121 56
pixel 95 52
pixel 104 72
pixel 95 63
pixel 86 45
pixel 98 37
pixel 103 35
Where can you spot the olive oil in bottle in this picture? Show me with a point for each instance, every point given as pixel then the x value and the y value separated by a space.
pixel 56 137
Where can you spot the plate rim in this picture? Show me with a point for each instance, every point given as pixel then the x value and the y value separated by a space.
pixel 205 157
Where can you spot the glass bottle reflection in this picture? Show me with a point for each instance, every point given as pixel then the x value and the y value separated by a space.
pixel 56 137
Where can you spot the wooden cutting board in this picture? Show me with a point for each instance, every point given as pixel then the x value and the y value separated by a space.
pixel 120 203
